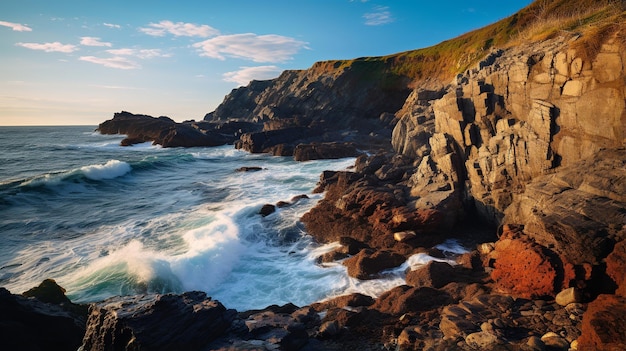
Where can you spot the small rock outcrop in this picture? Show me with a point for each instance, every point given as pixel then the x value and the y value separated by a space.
pixel 41 319
pixel 162 131
pixel 156 322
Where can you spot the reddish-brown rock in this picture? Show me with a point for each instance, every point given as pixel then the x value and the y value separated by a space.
pixel 433 275
pixel 368 262
pixel 403 299
pixel 603 327
pixel 616 267
pixel 526 269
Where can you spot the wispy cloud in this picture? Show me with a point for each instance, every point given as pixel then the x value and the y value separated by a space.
pixel 112 62
pixel 249 46
pixel 381 15
pixel 111 25
pixel 49 47
pixel 93 41
pixel 245 74
pixel 16 26
pixel 179 29
pixel 139 53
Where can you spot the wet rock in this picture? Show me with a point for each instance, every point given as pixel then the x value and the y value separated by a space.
pixel 156 322
pixel 433 275
pixel 267 210
pixel 367 263
pixel 249 169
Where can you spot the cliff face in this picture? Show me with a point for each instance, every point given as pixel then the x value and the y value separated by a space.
pixel 521 113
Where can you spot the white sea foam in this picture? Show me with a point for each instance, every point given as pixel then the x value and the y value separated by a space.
pixel 110 170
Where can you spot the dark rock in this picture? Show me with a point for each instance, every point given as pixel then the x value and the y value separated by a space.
pixel 156 322
pixel 351 300
pixel 163 131
pixel 432 275
pixel 316 151
pixel 249 169
pixel 31 324
pixel 267 210
pixel 367 263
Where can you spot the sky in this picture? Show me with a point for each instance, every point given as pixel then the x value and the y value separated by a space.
pixel 77 62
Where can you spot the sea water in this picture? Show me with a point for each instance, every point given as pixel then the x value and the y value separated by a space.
pixel 104 220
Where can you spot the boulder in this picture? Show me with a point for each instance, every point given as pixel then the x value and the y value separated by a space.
pixel 525 269
pixel 433 275
pixel 367 263
pixel 156 322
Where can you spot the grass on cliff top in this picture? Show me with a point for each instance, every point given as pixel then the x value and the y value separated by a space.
pixel 594 20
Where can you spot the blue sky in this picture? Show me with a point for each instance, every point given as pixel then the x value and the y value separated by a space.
pixel 76 62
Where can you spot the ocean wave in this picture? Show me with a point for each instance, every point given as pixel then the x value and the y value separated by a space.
pixel 110 170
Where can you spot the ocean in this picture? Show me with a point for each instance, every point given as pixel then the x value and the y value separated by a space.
pixel 105 220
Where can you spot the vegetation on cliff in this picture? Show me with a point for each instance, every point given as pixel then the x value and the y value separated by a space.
pixel 594 20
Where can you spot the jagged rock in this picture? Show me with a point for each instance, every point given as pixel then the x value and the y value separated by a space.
pixel 156 322
pixel 163 131
pixel 316 151
pixel 27 323
pixel 603 324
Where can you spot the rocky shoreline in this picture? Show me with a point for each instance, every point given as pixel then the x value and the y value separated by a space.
pixel 530 143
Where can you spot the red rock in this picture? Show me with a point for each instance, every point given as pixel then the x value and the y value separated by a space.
pixel 524 268
pixel 603 325
pixel 616 267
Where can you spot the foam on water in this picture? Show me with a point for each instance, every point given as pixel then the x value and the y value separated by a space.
pixel 110 170
pixel 117 220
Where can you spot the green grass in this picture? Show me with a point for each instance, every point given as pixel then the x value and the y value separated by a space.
pixel 594 20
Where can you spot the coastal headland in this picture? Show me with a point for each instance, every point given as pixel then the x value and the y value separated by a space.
pixel 511 137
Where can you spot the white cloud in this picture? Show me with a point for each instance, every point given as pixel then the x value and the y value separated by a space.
pixel 49 47
pixel 380 16
pixel 179 29
pixel 16 26
pixel 245 74
pixel 112 62
pixel 258 48
pixel 139 53
pixel 93 41
pixel 111 25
